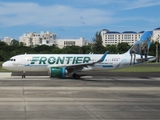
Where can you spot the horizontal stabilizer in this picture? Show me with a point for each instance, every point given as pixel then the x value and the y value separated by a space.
pixel 146 59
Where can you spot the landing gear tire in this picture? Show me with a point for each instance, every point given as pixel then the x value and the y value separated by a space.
pixel 76 76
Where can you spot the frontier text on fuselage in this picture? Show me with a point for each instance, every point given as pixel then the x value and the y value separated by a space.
pixel 59 60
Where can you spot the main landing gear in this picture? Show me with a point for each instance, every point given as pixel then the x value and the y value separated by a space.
pixel 24 75
pixel 76 76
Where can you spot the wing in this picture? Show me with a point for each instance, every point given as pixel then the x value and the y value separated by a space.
pixel 73 67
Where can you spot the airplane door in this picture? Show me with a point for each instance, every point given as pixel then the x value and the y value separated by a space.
pixel 26 62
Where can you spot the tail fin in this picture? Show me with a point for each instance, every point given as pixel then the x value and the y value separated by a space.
pixel 146 37
pixel 142 46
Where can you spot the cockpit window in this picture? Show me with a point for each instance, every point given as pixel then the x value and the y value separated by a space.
pixel 12 60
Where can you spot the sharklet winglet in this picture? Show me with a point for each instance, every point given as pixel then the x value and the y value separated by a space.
pixel 103 57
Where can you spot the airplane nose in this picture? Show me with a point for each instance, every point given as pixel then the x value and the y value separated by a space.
pixel 4 65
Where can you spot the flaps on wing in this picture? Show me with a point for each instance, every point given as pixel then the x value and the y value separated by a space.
pixel 71 65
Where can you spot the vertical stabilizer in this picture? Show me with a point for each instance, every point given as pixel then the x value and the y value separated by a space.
pixel 142 46
pixel 146 38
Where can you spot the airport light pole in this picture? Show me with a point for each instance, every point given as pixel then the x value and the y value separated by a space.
pixel 156 52
pixel 157 40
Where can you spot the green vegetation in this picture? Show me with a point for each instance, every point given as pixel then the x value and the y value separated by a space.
pixel 7 51
pixel 4 70
pixel 138 69
pixel 98 46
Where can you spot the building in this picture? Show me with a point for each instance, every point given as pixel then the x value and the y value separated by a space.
pixel 71 42
pixel 48 38
pixel 114 37
pixel 156 35
pixel 7 40
pixel 34 39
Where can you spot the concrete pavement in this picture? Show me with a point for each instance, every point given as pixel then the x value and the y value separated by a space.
pixel 94 98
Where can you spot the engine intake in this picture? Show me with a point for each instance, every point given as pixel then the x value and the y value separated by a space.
pixel 58 72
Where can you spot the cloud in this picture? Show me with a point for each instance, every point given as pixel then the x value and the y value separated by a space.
pixel 33 14
pixel 97 2
pixel 124 4
pixel 19 14
pixel 141 4
pixel 150 20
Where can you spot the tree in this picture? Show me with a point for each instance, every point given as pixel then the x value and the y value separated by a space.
pixel 86 49
pixel 21 44
pixel 72 50
pixel 3 44
pixel 14 43
pixel 152 50
pixel 123 47
pixel 112 49
pixel 41 48
pixel 55 49
pixel 97 46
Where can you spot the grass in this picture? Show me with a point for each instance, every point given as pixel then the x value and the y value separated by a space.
pixel 148 67
pixel 153 67
pixel 137 69
pixel 4 70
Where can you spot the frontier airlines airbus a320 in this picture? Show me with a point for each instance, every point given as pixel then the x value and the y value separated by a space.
pixel 60 65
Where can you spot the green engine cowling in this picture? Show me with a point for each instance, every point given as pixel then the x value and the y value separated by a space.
pixel 57 72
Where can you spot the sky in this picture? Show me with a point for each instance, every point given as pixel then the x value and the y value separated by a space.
pixel 71 19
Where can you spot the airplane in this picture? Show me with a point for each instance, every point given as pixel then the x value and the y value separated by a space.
pixel 61 65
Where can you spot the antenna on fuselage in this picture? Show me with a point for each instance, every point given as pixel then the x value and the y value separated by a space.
pixel 90 53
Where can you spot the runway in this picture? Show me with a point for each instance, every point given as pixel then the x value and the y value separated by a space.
pixel 89 98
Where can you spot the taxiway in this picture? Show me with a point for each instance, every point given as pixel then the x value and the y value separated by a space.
pixel 89 98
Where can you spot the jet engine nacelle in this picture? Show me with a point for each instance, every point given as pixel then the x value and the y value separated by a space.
pixel 57 72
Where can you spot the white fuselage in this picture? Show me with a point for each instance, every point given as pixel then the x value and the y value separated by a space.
pixel 42 62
